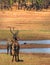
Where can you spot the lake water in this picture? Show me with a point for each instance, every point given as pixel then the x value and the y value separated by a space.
pixel 30 41
pixel 32 50
pixel 35 42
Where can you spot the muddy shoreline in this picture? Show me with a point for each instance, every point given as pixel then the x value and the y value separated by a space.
pixel 22 46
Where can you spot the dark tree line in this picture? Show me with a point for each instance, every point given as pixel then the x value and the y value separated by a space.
pixel 35 4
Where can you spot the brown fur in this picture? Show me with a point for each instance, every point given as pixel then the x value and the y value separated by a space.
pixel 15 53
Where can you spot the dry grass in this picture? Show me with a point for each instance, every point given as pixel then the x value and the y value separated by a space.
pixel 28 59
pixel 26 35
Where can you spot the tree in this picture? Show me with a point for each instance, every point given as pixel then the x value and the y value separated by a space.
pixel 38 4
pixel 10 3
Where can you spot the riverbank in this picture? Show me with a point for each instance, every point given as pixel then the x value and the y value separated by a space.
pixel 32 25
pixel 26 59
pixel 26 35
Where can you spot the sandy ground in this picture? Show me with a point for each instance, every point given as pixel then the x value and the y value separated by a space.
pixel 25 59
pixel 25 20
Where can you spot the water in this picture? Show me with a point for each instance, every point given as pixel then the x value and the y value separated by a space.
pixel 3 42
pixel 3 51
pixel 35 41
pixel 33 50
pixel 36 50
pixel 30 41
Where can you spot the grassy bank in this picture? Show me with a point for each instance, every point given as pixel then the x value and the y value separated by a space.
pixel 28 59
pixel 26 34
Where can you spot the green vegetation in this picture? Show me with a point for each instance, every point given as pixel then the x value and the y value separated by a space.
pixel 45 31
pixel 11 2
pixel 39 1
pixel 39 4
